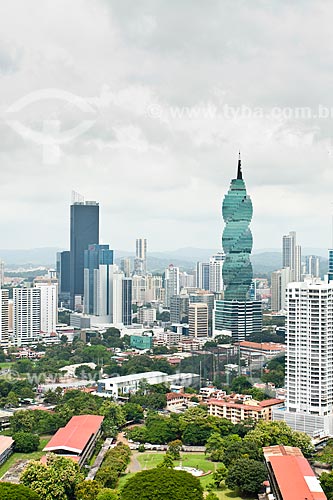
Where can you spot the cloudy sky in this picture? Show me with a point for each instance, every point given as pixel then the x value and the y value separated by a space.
pixel 143 106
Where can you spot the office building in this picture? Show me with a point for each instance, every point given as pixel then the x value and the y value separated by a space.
pixel 26 316
pixel 171 281
pixel 330 265
pixel 2 273
pixel 198 319
pixel 48 307
pixel 140 261
pixel 312 266
pixel 279 282
pixel 126 266
pixel 291 256
pixel 309 357
pixel 208 298
pixel 179 307
pixel 154 286
pixel 186 280
pixel 202 275
pixel 4 317
pixel 127 301
pixel 63 275
pixel 215 272
pixel 240 318
pixel 84 231
pixel 236 313
pixel 94 257
pixel 146 315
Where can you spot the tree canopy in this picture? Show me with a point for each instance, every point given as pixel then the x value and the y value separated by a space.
pixel 247 475
pixel 57 480
pixel 9 491
pixel 155 484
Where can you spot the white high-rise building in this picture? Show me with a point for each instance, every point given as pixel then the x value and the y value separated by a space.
pixel 292 256
pixel 4 317
pixel 215 272
pixel 108 293
pixel 202 275
pixel 48 307
pixel 140 262
pixel 172 286
pixel 312 266
pixel 279 282
pixel 198 319
pixel 186 280
pixel 126 266
pixel 309 357
pixel 2 273
pixel 153 288
pixel 26 315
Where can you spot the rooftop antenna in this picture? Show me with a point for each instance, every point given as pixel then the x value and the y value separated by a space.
pixel 239 168
pixel 77 197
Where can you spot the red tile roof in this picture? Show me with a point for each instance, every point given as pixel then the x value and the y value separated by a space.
pixel 264 346
pixel 296 479
pixel 177 395
pixel 270 402
pixel 75 436
pixel 230 404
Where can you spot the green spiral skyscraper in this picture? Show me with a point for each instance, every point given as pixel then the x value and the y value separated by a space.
pixel 237 239
pixel 236 313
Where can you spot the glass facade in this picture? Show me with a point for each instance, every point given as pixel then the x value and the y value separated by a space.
pixel 94 256
pixel 330 265
pixel 237 240
pixel 84 231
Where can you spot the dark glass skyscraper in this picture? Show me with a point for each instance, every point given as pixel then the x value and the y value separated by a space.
pixel 127 301
pixel 237 239
pixel 84 231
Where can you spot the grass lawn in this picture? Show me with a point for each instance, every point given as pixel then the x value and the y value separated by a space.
pixel 5 365
pixel 150 460
pixel 36 455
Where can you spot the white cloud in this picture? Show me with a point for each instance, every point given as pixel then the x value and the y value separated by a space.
pixel 163 147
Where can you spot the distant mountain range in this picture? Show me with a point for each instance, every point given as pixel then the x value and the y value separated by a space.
pixel 264 261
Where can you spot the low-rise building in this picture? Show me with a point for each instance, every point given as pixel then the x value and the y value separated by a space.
pixel 236 410
pixel 141 342
pixel 6 448
pixel 290 475
pixel 176 399
pixel 77 439
pixel 267 349
pixel 128 384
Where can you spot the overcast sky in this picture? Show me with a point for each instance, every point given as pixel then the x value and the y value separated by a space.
pixel 170 91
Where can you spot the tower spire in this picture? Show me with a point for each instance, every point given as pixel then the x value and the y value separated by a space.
pixel 239 169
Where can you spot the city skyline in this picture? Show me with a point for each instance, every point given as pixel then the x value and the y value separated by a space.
pixel 165 135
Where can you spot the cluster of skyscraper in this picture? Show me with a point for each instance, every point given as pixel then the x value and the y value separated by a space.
pixel 90 281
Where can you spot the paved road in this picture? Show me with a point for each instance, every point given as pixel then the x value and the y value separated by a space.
pixel 134 465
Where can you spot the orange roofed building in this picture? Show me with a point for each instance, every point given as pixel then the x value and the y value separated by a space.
pixel 77 439
pixel 236 410
pixel 290 475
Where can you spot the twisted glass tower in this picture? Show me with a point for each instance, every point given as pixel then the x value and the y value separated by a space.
pixel 237 239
